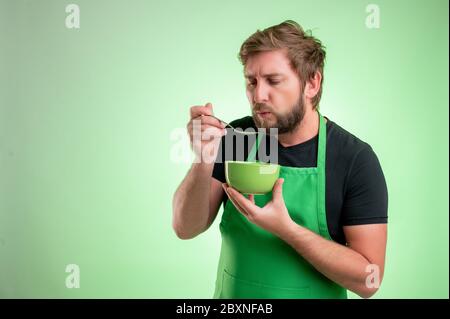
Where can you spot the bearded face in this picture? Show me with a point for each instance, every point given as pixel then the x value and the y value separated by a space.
pixel 274 91
pixel 267 118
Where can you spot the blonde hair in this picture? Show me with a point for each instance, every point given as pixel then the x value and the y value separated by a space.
pixel 306 53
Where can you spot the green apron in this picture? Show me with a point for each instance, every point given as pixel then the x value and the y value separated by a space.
pixel 255 263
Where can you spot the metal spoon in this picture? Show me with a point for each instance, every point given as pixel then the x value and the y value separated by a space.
pixel 233 128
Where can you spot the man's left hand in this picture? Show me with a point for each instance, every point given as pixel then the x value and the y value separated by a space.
pixel 273 217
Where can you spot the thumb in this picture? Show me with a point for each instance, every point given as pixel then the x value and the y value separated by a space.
pixel 277 191
pixel 209 108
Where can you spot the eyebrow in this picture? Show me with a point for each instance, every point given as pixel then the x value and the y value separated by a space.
pixel 251 76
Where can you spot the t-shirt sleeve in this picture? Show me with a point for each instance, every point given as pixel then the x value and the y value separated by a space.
pixel 366 197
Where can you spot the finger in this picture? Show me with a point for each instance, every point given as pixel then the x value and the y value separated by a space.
pixel 251 197
pixel 230 197
pixel 189 127
pixel 243 202
pixel 208 120
pixel 277 191
pixel 238 208
pixel 198 110
pixel 206 130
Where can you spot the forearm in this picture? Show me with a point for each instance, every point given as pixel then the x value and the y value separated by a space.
pixel 191 202
pixel 339 263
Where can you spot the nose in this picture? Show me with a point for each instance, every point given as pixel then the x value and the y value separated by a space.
pixel 260 93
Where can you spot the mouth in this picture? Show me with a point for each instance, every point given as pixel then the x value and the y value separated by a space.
pixel 263 114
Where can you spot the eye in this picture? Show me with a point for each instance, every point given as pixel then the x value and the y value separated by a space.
pixel 273 82
pixel 251 84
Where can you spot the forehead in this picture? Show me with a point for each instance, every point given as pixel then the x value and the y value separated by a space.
pixel 268 63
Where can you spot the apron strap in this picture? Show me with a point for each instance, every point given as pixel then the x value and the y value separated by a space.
pixel 322 143
pixel 321 188
pixel 252 155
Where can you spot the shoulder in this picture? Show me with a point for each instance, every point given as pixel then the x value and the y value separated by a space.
pixel 356 159
pixel 345 146
pixel 347 152
pixel 341 139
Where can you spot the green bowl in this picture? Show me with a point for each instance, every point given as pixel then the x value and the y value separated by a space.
pixel 251 177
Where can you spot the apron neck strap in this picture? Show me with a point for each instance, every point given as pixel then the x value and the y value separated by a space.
pixel 252 155
pixel 322 147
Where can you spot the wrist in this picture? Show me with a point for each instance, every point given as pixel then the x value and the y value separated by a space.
pixel 202 167
pixel 290 231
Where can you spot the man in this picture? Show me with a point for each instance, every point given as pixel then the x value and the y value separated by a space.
pixel 323 228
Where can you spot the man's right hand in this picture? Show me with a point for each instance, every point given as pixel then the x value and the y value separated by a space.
pixel 197 200
pixel 204 132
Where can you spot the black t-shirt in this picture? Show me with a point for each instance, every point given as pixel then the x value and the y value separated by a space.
pixel 356 192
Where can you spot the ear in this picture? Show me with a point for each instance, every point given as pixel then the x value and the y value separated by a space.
pixel 312 87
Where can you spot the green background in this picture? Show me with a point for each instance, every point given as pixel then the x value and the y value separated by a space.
pixel 86 117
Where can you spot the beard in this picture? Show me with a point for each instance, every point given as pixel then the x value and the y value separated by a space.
pixel 285 123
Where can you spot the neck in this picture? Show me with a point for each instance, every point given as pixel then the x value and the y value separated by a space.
pixel 306 130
